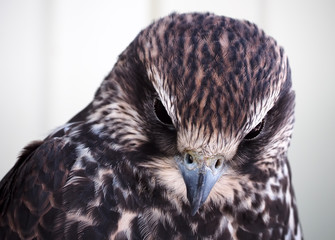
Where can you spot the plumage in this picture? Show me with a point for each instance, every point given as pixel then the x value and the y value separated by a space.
pixel 186 138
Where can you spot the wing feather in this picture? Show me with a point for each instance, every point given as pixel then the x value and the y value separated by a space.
pixel 31 199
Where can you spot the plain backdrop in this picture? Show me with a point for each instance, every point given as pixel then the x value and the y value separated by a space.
pixel 55 53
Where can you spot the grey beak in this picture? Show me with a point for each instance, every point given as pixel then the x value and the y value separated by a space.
pixel 199 178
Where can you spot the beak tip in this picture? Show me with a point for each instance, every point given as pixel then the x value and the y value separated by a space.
pixel 194 208
pixel 194 211
pixel 196 203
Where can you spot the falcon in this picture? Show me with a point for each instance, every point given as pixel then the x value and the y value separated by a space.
pixel 186 138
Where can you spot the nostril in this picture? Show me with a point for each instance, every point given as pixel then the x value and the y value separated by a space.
pixel 218 163
pixel 188 159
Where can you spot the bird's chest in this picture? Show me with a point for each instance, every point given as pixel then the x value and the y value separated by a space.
pixel 155 224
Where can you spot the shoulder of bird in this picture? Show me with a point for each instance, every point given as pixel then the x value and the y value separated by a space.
pixel 186 138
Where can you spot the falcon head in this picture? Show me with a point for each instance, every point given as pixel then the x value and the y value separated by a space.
pixel 203 105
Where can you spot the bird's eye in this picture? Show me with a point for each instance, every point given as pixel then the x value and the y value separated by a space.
pixel 161 113
pixel 255 132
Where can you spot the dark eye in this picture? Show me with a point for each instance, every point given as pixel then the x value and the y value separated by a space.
pixel 161 113
pixel 255 132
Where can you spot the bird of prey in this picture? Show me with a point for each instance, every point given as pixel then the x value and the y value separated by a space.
pixel 186 138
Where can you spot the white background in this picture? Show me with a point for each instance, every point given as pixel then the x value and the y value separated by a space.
pixel 55 53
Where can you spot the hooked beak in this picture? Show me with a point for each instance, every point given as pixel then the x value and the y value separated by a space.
pixel 200 174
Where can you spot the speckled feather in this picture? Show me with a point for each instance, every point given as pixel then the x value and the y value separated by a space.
pixel 112 171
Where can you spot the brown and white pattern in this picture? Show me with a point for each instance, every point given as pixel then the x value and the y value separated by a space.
pixel 186 138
